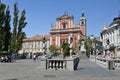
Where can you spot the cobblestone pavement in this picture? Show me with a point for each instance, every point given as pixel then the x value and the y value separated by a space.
pixel 30 70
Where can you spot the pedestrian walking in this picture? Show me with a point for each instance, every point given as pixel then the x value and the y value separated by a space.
pixel 34 56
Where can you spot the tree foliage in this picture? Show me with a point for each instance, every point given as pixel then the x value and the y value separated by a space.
pixel 18 34
pixel 13 46
pixel 4 27
pixel 11 41
pixel 53 48
pixel 7 33
pixel 2 21
pixel 66 49
pixel 88 46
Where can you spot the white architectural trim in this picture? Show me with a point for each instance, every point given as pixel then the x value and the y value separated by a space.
pixel 50 40
pixel 56 40
pixel 59 40
pixel 78 36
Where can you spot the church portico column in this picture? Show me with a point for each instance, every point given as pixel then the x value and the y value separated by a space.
pixel 56 40
pixel 59 40
pixel 78 36
pixel 50 40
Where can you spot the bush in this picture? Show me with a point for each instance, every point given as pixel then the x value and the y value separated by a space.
pixel 66 51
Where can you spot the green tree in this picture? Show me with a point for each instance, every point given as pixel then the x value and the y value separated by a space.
pixel 53 48
pixel 7 33
pixel 14 34
pixel 18 34
pixel 2 21
pixel 66 49
pixel 11 40
pixel 88 46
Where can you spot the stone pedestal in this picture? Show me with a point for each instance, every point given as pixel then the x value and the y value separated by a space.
pixel 43 64
pixel 118 54
pixel 72 63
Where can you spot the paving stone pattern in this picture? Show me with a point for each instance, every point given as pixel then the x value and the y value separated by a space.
pixel 30 70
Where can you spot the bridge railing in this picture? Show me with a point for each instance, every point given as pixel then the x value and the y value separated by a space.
pixel 109 63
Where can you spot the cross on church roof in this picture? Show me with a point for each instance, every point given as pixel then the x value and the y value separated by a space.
pixel 83 14
pixel 65 13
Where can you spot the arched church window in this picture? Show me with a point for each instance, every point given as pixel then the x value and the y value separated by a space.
pixel 64 25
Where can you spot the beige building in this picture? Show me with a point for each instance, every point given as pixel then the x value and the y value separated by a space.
pixel 34 44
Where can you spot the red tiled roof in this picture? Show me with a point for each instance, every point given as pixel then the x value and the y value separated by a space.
pixel 37 37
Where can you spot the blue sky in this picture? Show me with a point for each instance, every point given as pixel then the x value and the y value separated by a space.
pixel 40 14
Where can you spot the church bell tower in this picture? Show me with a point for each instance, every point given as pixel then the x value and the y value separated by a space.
pixel 83 26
